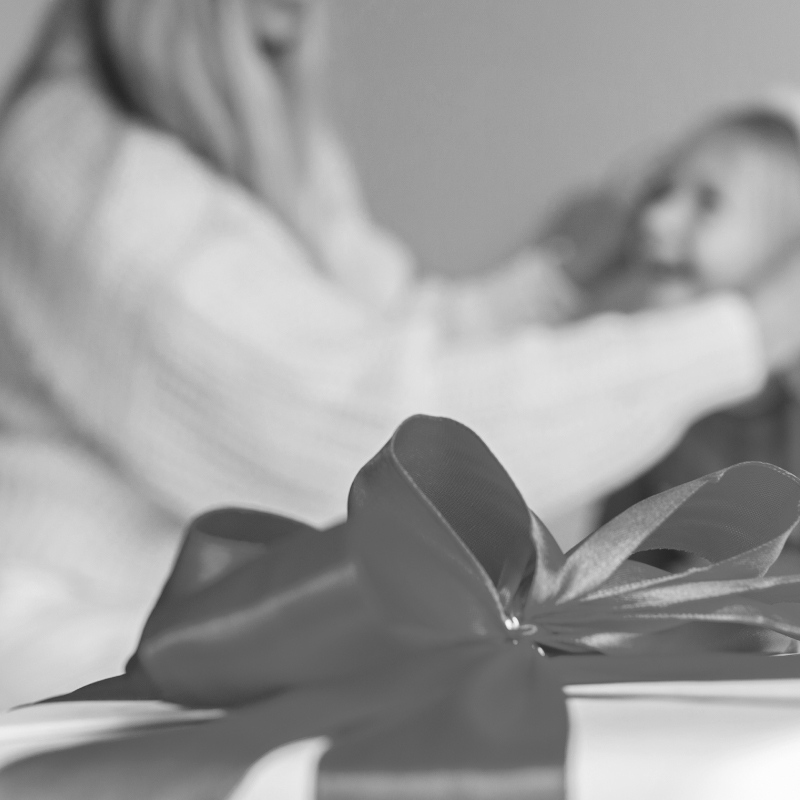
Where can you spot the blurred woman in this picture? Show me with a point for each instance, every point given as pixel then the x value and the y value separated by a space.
pixel 198 310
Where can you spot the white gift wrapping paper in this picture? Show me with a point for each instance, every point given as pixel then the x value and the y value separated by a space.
pixel 726 740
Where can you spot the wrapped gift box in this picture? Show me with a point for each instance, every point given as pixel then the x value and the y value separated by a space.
pixel 725 740
pixel 450 650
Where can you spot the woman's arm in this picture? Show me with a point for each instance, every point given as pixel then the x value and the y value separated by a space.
pixel 186 331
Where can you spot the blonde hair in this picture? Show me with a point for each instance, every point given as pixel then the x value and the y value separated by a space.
pixel 195 69
pixel 759 127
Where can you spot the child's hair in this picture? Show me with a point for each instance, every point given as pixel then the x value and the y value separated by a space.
pixel 761 125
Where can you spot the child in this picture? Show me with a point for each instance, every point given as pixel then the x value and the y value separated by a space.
pixel 724 208
pixel 721 209
pixel 718 210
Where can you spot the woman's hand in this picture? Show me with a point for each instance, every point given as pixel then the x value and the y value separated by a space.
pixel 534 288
pixel 589 232
pixel 232 78
pixel 530 289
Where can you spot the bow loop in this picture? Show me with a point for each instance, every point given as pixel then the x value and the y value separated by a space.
pixel 290 613
pixel 734 522
pixel 436 504
pixel 597 558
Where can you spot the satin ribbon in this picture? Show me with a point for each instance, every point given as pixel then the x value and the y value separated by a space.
pixel 412 635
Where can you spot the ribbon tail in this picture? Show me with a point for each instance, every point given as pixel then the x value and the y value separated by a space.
pixel 441 724
pixel 208 760
pixel 500 732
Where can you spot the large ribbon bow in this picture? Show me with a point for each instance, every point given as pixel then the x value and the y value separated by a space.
pixel 413 635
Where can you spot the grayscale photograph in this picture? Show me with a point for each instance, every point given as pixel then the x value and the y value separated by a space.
pixel 399 400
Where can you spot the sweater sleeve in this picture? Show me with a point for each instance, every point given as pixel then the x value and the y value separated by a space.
pixel 179 324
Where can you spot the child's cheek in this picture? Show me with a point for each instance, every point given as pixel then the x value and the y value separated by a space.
pixel 730 258
pixel 666 293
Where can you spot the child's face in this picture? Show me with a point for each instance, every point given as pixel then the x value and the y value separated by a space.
pixel 729 208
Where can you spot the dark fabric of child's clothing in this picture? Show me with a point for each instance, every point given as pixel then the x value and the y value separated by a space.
pixel 766 428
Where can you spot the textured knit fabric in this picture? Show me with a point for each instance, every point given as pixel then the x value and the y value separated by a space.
pixel 168 345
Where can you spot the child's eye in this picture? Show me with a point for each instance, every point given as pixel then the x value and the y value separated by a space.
pixel 659 192
pixel 708 199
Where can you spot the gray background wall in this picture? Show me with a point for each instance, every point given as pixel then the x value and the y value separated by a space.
pixel 467 116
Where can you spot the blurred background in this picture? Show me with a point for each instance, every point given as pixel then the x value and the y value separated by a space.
pixel 467 117
pixel 468 120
